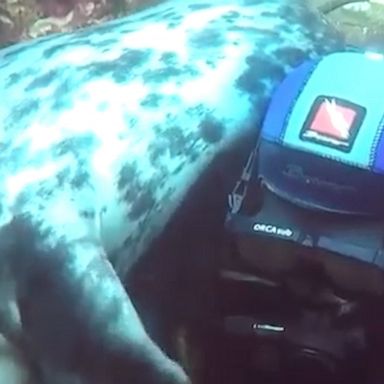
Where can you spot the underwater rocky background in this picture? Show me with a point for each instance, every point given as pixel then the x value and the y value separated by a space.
pixel 362 22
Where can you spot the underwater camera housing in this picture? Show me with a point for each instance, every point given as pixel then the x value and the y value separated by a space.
pixel 302 289
pixel 305 292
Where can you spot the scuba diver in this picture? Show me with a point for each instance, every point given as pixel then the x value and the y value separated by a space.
pixel 304 281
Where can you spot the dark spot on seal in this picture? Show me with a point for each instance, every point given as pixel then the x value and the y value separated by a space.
pixel 290 55
pixel 62 177
pixel 152 100
pixel 18 49
pixel 49 52
pixel 198 7
pixel 45 191
pixel 169 58
pixel 173 25
pixel 14 78
pixel 62 97
pixel 78 145
pixel 260 71
pixel 126 176
pixel 175 20
pixel 120 69
pixel 142 204
pixel 130 122
pixel 254 31
pixel 81 178
pixel 171 14
pixel 268 14
pixel 139 195
pixel 4 64
pixel 178 169
pixel 64 87
pixel 164 74
pixel 157 149
pixel 43 80
pixel 209 37
pixel 211 130
pixel 211 63
pixel 177 142
pixel 148 17
pixel 23 109
pixel 106 43
pixel 88 214
pixel 231 16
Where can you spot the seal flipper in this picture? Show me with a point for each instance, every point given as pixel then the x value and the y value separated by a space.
pixel 75 311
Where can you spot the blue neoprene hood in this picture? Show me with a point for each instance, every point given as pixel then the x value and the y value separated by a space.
pixel 322 141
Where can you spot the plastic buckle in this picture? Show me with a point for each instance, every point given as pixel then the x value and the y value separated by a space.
pixel 236 198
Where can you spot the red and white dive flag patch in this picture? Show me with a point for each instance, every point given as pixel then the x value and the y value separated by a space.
pixel 333 122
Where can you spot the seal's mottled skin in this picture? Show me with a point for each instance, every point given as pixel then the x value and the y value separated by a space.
pixel 102 134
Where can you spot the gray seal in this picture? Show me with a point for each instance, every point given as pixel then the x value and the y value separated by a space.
pixel 104 132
